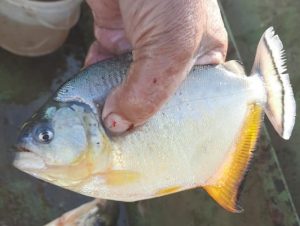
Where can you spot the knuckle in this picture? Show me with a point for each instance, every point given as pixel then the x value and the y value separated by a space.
pixel 141 106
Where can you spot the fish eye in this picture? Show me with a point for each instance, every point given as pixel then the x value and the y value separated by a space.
pixel 44 134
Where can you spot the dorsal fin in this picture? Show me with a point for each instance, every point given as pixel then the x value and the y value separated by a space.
pixel 224 187
pixel 235 67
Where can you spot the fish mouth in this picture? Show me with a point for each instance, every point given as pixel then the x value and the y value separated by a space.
pixel 20 148
pixel 27 160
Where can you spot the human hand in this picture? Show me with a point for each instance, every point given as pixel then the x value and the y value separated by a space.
pixel 167 37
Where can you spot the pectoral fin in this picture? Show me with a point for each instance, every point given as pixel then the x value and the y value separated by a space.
pixel 225 185
pixel 120 177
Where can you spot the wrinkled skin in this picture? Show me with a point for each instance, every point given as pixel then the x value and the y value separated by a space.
pixel 167 38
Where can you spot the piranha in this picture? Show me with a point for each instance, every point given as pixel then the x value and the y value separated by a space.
pixel 204 136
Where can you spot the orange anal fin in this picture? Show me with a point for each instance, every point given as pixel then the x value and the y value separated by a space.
pixel 225 197
pixel 225 185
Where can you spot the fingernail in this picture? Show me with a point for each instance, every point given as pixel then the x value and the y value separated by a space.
pixel 116 124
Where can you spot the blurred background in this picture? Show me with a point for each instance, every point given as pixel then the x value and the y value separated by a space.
pixel 271 191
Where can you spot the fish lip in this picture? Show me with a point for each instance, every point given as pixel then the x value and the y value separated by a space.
pixel 20 148
pixel 26 160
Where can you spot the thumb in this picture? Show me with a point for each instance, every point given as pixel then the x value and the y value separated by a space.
pixel 165 41
pixel 150 83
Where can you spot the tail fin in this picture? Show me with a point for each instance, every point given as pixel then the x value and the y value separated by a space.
pixel 270 64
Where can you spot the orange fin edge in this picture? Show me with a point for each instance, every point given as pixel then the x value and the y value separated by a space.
pixel 224 188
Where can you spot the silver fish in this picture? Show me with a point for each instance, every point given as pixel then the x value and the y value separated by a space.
pixel 203 137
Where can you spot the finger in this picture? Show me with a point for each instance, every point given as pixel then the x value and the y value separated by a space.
pixel 109 43
pixel 164 51
pixel 213 57
pixel 113 40
pixel 95 54
pixel 108 30
pixel 106 13
pixel 213 50
pixel 214 43
pixel 166 45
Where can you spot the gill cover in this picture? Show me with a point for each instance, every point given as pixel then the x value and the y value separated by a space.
pixel 59 133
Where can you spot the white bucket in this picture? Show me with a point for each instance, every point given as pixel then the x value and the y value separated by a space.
pixel 35 28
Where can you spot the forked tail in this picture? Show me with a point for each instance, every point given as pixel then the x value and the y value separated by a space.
pixel 280 107
pixel 270 65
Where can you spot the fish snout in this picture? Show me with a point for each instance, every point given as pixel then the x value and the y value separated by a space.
pixel 25 159
pixel 22 142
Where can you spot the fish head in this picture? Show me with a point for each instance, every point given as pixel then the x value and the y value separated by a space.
pixel 61 143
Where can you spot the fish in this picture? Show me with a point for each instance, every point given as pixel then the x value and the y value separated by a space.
pixel 92 213
pixel 203 137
